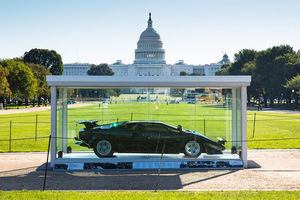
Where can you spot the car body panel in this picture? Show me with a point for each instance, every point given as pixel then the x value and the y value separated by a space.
pixel 145 137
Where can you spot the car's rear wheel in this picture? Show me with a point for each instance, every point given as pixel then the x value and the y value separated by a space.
pixel 103 148
pixel 192 149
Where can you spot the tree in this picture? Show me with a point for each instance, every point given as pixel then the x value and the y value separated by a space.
pixel 48 58
pixel 244 64
pixel 21 80
pixel 183 73
pixel 269 73
pixel 4 85
pixel 100 70
pixel 270 69
pixel 241 61
pixel 294 84
pixel 40 73
pixel 224 69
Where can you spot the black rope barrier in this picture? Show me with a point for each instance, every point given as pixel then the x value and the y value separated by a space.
pixel 71 138
pixel 175 120
pixel 250 114
pixel 126 114
pixel 24 139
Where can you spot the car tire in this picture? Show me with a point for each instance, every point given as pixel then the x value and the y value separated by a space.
pixel 192 149
pixel 103 148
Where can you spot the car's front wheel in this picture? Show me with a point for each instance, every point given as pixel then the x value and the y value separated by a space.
pixel 103 148
pixel 192 149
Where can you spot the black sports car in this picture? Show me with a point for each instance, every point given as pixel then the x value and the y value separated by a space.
pixel 145 137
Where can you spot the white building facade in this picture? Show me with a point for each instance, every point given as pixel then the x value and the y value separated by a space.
pixel 76 69
pixel 150 61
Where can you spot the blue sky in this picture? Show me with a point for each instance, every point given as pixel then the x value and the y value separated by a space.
pixel 196 31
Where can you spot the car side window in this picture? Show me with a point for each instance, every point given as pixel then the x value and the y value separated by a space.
pixel 138 127
pixel 129 126
pixel 155 128
pixel 172 130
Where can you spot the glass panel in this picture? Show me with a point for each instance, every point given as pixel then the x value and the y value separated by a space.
pixel 140 120
pixel 236 119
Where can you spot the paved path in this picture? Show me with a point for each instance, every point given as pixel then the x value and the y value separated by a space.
pixel 37 109
pixel 275 110
pixel 279 170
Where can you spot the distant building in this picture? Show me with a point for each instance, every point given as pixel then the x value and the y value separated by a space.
pixel 76 69
pixel 150 61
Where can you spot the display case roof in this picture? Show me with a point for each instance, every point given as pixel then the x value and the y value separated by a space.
pixel 149 81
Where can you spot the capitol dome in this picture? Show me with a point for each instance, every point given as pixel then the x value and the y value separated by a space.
pixel 149 47
pixel 149 34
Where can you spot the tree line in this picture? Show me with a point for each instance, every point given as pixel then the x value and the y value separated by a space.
pixel 275 74
pixel 24 78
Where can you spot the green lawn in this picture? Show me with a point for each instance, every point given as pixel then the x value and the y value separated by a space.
pixel 274 195
pixel 208 119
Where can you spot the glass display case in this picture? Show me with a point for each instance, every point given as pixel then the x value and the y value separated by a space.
pixel 137 123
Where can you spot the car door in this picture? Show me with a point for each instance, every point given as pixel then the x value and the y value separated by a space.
pixel 123 138
pixel 152 138
pixel 157 137
pixel 172 138
pixel 140 139
pixel 146 137
pixel 162 139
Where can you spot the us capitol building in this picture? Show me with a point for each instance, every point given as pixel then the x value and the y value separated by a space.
pixel 149 61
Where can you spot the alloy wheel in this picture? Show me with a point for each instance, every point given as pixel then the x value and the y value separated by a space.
pixel 192 149
pixel 103 147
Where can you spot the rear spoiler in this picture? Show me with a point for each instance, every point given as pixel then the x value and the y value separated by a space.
pixel 89 123
pixel 221 140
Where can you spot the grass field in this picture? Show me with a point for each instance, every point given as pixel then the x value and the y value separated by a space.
pixel 274 195
pixel 213 120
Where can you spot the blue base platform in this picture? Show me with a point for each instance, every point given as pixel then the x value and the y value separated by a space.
pixel 134 161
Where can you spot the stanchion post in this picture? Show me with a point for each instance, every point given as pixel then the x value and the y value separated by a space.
pixel 102 114
pixel 131 116
pixel 254 125
pixel 36 121
pixel 10 136
pixel 76 127
pixel 47 161
pixel 160 163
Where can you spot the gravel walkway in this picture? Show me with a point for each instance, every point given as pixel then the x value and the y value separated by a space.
pixel 37 109
pixel 272 170
pixel 275 110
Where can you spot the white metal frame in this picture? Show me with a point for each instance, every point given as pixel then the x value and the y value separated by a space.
pixel 146 82
pixel 53 125
pixel 149 81
pixel 244 124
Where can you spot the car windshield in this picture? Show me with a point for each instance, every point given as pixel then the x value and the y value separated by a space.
pixel 108 126
pixel 172 127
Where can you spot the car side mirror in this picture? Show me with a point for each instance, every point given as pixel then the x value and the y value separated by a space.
pixel 179 128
